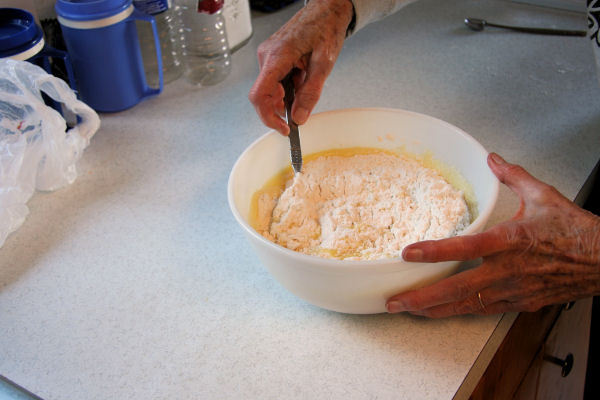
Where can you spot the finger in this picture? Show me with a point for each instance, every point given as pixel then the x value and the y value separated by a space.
pixel 473 307
pixel 525 305
pixel 512 175
pixel 469 305
pixel 460 248
pixel 535 298
pixel 500 296
pixel 489 300
pixel 267 97
pixel 456 288
pixel 498 299
pixel 498 307
pixel 493 300
pixel 308 94
pixel 519 180
pixel 306 99
pixel 542 299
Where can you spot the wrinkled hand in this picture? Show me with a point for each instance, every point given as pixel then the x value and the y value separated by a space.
pixel 548 253
pixel 310 41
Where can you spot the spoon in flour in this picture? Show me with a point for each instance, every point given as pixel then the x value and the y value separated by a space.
pixel 295 151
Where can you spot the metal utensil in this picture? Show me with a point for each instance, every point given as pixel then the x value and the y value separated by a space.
pixel 478 24
pixel 295 151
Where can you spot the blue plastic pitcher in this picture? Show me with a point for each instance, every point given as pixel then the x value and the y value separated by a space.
pixel 102 40
pixel 23 40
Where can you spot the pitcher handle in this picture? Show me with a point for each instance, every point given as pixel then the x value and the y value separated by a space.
pixel 51 52
pixel 139 15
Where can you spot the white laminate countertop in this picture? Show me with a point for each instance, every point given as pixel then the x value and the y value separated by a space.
pixel 136 283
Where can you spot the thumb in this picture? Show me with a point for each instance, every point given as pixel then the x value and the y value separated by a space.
pixel 514 176
pixel 307 97
pixel 532 192
pixel 308 93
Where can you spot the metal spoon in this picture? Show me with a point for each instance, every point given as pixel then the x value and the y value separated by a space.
pixel 295 150
pixel 478 24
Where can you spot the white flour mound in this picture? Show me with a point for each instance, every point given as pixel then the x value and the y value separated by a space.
pixel 365 206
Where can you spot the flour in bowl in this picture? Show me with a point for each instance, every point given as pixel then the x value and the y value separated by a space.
pixel 367 206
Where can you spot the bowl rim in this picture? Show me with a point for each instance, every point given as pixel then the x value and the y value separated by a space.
pixel 349 265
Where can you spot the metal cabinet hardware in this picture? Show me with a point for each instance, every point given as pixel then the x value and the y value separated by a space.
pixel 566 364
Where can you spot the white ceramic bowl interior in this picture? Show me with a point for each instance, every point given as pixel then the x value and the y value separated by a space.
pixel 357 287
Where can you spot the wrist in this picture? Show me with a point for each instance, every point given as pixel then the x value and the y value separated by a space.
pixel 352 23
pixel 345 11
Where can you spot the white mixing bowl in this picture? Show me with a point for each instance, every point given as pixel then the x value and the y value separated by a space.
pixel 358 287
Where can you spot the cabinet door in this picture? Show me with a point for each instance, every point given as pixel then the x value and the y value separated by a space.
pixel 568 341
pixel 516 354
pixel 569 336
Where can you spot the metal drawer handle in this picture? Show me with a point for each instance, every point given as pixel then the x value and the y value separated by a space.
pixel 566 364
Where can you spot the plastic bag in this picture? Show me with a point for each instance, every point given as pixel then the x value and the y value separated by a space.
pixel 36 149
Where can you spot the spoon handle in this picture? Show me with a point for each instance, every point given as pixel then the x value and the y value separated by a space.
pixel 288 100
pixel 541 31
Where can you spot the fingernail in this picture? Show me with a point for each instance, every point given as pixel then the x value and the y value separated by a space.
pixel 301 115
pixel 497 159
pixel 394 307
pixel 412 254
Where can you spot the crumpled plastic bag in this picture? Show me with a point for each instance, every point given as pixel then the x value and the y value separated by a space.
pixel 37 151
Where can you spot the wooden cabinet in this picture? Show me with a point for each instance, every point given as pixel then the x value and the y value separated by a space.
pixel 525 366
pixel 558 371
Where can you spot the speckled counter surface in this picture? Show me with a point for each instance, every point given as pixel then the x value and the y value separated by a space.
pixel 136 283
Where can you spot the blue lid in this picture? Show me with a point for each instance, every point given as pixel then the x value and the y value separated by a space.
pixel 86 10
pixel 18 31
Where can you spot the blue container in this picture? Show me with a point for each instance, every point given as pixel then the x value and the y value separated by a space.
pixel 22 39
pixel 102 40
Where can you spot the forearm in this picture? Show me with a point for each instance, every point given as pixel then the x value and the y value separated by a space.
pixel 368 11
